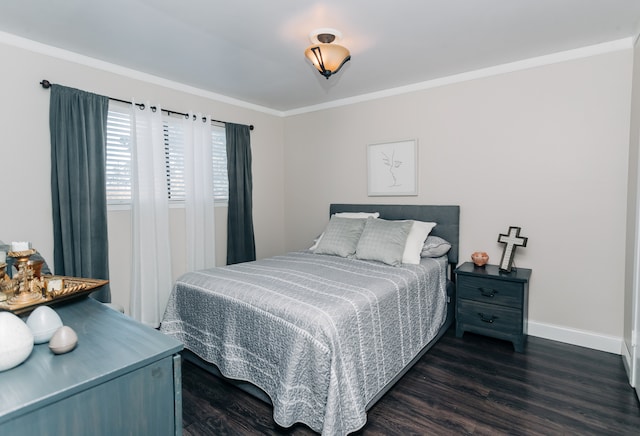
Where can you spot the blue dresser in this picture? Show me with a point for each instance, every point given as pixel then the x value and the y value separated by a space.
pixel 123 378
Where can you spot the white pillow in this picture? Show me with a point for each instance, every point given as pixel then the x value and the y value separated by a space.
pixel 413 247
pixel 316 242
pixel 355 215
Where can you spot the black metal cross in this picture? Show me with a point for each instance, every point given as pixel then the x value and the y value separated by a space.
pixel 512 240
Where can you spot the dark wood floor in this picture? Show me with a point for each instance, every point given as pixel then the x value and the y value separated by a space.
pixel 472 385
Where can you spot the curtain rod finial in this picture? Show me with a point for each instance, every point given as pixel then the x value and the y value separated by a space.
pixel 45 84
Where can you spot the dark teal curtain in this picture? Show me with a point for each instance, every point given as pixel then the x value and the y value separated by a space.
pixel 241 245
pixel 78 126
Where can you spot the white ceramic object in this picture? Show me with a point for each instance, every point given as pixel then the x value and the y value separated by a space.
pixel 16 341
pixel 63 340
pixel 43 322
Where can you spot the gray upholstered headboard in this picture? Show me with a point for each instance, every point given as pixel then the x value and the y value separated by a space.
pixel 447 217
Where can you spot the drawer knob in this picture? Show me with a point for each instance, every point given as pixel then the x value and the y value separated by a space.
pixel 488 292
pixel 487 319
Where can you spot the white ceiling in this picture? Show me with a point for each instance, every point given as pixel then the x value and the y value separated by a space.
pixel 252 50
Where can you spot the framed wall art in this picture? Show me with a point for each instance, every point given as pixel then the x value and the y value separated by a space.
pixel 392 168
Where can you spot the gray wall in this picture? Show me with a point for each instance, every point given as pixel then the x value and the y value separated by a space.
pixel 543 148
pixel 25 153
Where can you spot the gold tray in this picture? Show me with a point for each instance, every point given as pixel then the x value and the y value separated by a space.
pixel 74 287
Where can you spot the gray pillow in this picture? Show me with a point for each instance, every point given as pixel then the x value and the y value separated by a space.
pixel 435 246
pixel 341 237
pixel 383 241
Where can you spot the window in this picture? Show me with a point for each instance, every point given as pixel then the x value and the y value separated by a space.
pixel 174 160
pixel 118 163
pixel 220 174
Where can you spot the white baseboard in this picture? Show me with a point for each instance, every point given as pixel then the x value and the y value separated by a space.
pixel 626 359
pixel 582 338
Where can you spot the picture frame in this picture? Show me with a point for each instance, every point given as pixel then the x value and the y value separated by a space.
pixel 392 168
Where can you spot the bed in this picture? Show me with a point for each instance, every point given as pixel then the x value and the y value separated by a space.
pixel 320 337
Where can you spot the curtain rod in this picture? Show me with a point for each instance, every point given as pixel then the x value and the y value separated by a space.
pixel 46 85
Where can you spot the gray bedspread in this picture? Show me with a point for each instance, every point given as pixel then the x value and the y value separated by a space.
pixel 321 335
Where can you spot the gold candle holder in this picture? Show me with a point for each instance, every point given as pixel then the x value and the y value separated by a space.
pixel 5 282
pixel 27 290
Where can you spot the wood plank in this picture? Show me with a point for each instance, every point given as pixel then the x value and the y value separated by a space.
pixel 468 385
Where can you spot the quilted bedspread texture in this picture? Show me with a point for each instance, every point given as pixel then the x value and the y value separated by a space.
pixel 321 335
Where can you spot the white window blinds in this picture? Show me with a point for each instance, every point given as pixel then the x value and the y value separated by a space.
pixel 118 162
pixel 174 160
pixel 220 175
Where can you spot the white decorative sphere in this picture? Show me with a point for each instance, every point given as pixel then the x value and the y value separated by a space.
pixel 16 341
pixel 43 322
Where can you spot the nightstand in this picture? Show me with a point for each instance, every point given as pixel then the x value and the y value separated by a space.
pixel 492 302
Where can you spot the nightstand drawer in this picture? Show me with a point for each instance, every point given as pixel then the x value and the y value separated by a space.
pixel 487 316
pixel 491 291
pixel 493 302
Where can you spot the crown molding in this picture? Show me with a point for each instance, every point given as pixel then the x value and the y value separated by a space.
pixel 58 53
pixel 568 55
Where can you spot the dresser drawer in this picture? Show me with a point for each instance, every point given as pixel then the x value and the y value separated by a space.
pixel 489 317
pixel 489 290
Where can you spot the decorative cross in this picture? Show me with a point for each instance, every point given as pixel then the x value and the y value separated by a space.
pixel 512 240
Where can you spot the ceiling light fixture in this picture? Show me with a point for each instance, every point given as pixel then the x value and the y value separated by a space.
pixel 327 56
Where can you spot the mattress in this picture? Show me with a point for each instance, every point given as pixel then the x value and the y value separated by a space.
pixel 321 335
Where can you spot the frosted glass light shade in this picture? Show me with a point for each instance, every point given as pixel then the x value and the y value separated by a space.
pixel 16 341
pixel 327 58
